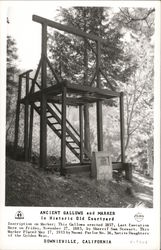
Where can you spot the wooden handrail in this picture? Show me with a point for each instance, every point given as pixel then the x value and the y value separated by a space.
pixel 26 72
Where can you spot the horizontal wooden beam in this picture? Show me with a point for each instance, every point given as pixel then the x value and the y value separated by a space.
pixel 65 28
pixel 26 72
pixel 71 29
pixel 73 101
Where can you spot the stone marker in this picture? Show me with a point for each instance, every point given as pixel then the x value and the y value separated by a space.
pixel 101 166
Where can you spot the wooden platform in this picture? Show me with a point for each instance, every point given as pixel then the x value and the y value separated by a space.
pixel 86 94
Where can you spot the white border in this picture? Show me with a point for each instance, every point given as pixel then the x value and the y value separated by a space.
pixel 5 212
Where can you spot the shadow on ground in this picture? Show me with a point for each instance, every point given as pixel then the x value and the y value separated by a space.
pixel 26 185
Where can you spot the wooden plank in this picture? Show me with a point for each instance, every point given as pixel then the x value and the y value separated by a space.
pixel 63 126
pixel 43 125
pixel 26 119
pixel 73 101
pixel 122 127
pixel 81 132
pixel 17 117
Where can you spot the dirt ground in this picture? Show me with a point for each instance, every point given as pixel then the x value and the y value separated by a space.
pixel 26 185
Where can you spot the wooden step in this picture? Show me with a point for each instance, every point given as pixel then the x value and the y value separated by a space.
pixel 72 142
pixel 50 116
pixel 54 123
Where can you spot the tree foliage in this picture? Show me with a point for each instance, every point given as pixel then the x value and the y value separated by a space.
pixel 128 65
pixel 12 58
pixel 126 59
pixel 140 20
pixel 68 51
pixel 12 71
pixel 138 26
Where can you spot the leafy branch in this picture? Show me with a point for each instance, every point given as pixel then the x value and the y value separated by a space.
pixel 130 18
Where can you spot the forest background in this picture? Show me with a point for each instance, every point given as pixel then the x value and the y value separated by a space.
pixel 129 67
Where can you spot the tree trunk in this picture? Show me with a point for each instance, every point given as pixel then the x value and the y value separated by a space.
pixel 126 146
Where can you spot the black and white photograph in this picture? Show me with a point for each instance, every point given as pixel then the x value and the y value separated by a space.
pixel 80 128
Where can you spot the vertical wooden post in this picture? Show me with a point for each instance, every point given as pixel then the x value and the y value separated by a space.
pixel 17 117
pixel 99 126
pixel 122 127
pixel 31 122
pixel 63 128
pixel 81 132
pixel 43 124
pixel 98 62
pixel 99 103
pixel 30 131
pixel 26 119
pixel 87 144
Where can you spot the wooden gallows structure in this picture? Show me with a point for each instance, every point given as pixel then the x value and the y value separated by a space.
pixel 51 102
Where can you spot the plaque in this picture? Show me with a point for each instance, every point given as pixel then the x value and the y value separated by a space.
pixel 101 166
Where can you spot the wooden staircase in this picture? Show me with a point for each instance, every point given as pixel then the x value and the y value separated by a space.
pixel 72 135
